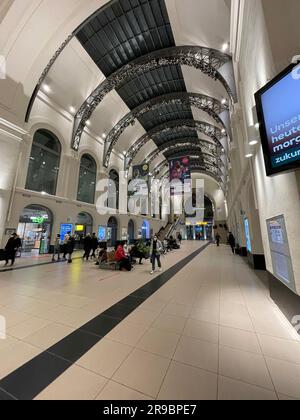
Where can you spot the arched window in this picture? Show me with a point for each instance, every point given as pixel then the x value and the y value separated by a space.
pixel 87 180
pixel 44 163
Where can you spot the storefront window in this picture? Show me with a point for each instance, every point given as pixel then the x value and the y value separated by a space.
pixel 87 180
pixel 44 163
pixel 35 228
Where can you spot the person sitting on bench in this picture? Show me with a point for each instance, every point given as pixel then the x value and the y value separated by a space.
pixel 121 258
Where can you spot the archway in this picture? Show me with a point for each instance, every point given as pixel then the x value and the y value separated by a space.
pixel 112 232
pixel 131 231
pixel 34 229
pixel 83 226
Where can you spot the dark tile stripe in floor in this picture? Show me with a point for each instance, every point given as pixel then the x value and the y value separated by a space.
pixel 32 378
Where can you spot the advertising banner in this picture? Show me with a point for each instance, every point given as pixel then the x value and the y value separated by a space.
pixel 180 170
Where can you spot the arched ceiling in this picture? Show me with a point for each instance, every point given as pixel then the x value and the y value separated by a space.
pixel 128 30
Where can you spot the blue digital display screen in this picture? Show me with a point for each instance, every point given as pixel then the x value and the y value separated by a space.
pixel 278 107
pixel 64 229
pixel 102 234
pixel 247 234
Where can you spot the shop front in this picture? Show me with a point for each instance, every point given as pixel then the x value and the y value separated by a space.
pixel 34 229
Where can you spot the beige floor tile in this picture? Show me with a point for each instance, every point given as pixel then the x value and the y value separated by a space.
pixel 154 305
pixel 201 354
pixel 177 310
pixel 170 323
pixel 230 389
pixel 285 398
pixel 236 320
pixel 143 372
pixel 239 339
pixel 278 348
pixel 75 384
pixel 204 331
pixel 16 355
pixel 275 327
pixel 142 317
pixel 13 318
pixel 127 333
pixel 159 342
pixel 114 392
pixel 6 342
pixel 32 325
pixel 246 367
pixel 48 336
pixel 206 315
pixel 188 383
pixel 105 357
pixel 286 377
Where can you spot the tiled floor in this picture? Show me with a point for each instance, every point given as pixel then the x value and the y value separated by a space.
pixel 211 332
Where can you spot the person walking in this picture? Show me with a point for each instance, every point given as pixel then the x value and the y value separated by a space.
pixel 218 239
pixel 65 244
pixel 94 243
pixel 156 249
pixel 179 238
pixel 70 248
pixel 87 246
pixel 56 249
pixel 231 241
pixel 12 246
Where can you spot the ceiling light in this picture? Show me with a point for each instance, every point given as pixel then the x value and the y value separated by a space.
pixel 257 126
pixel 224 101
pixel 46 88
pixel 104 136
pixel 88 123
pixel 72 109
pixel 250 155
pixel 225 46
pixel 253 142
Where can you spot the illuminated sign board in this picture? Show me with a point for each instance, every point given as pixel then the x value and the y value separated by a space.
pixel 247 234
pixel 280 251
pixel 80 228
pixel 278 110
pixel 64 229
pixel 102 233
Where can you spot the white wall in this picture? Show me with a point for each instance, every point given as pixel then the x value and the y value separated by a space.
pixel 273 196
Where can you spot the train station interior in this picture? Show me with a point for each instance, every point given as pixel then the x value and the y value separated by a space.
pixel 149 200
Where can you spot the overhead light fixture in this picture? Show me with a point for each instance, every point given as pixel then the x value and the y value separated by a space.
pixel 249 155
pixel 257 126
pixel 225 46
pixel 88 123
pixel 46 88
pixel 223 131
pixel 253 142
pixel 104 136
pixel 72 109
pixel 224 101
